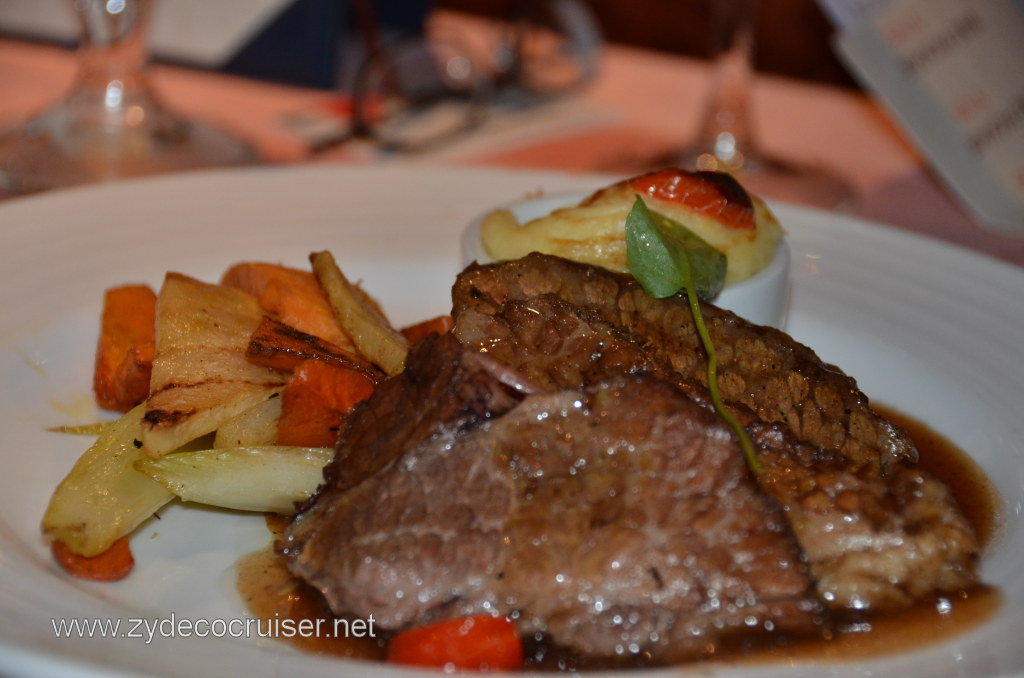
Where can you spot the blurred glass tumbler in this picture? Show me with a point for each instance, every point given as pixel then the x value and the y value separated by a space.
pixel 415 94
pixel 110 125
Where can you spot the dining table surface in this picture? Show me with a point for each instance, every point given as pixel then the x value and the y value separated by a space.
pixel 640 104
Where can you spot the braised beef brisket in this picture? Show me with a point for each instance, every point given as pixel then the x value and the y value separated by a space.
pixel 877 531
pixel 771 375
pixel 617 518
pixel 555 459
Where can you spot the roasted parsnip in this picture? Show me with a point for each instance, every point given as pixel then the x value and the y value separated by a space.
pixel 371 332
pixel 104 497
pixel 267 479
pixel 201 377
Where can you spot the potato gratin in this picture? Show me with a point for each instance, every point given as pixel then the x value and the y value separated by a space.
pixel 710 204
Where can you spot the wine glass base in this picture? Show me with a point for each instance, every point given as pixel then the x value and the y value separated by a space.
pixel 50 153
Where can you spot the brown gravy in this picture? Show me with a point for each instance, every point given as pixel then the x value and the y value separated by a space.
pixel 273 594
pixel 974 492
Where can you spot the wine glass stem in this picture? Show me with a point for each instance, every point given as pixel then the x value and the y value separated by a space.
pixel 726 132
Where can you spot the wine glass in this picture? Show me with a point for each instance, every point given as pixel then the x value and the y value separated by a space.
pixel 110 124
pixel 726 141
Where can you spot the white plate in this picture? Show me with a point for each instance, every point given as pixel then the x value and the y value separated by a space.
pixel 932 330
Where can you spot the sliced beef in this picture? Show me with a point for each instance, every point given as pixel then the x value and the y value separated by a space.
pixel 441 395
pixel 617 518
pixel 774 377
pixel 877 532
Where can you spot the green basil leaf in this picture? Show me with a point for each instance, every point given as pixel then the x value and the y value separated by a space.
pixel 707 264
pixel 663 255
pixel 658 263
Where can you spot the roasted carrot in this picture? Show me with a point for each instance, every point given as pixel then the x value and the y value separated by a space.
pixel 478 643
pixel 124 352
pixel 283 348
pixel 316 401
pixel 440 324
pixel 292 295
pixel 113 564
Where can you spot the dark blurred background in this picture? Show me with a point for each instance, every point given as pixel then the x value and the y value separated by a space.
pixel 793 36
pixel 792 39
pixel 319 42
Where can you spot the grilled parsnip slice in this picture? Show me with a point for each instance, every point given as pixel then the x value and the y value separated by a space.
pixel 255 427
pixel 371 332
pixel 104 497
pixel 201 377
pixel 266 479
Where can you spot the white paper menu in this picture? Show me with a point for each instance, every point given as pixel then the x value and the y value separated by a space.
pixel 952 73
